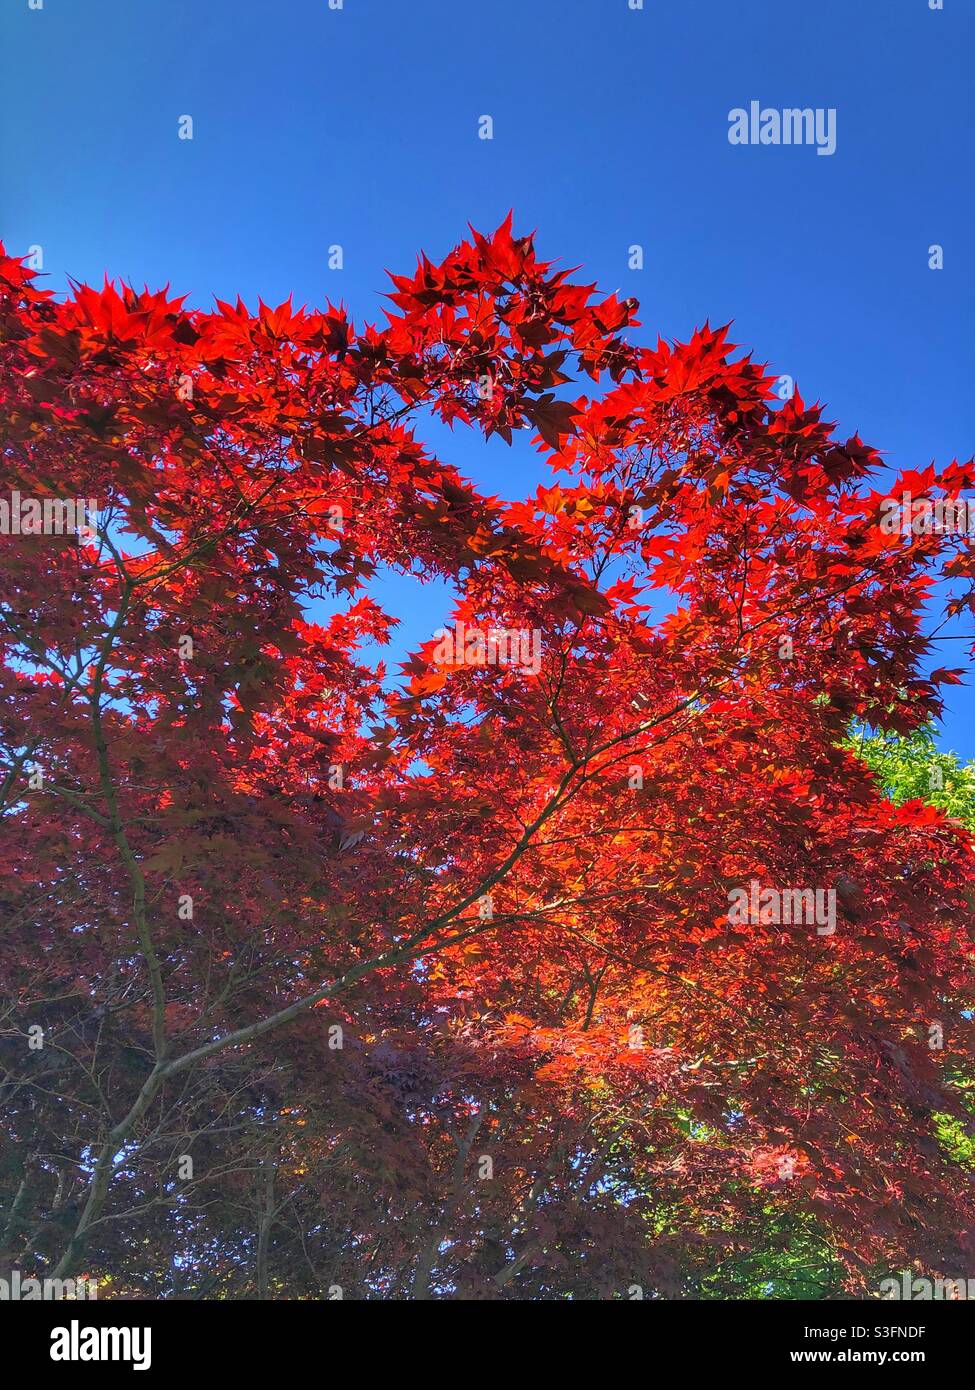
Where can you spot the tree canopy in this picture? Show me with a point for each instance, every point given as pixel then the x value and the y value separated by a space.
pixel 318 981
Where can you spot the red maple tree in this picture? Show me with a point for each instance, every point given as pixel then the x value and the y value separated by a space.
pixel 434 981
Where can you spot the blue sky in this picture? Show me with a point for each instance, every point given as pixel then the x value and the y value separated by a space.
pixel 358 126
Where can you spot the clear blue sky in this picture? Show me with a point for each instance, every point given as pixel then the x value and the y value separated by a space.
pixel 358 126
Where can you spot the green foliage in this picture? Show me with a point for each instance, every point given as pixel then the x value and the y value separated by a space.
pixel 912 769
pixel 783 1256
pixel 951 1135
